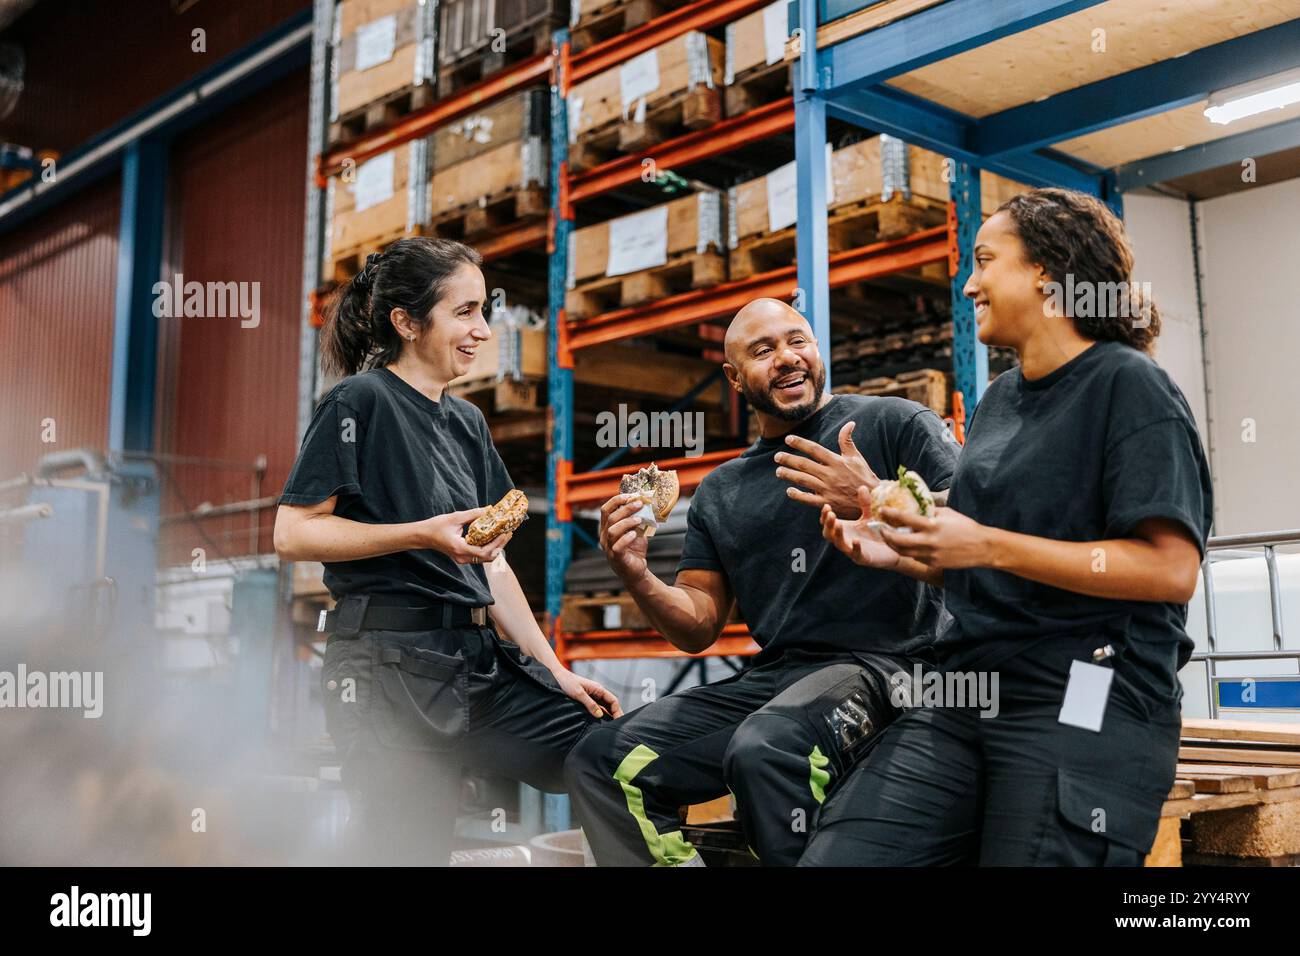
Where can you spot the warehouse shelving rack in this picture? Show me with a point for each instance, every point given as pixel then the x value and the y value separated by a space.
pixel 842 75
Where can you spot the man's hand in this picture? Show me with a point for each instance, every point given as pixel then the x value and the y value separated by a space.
pixel 861 543
pixel 624 549
pixel 825 478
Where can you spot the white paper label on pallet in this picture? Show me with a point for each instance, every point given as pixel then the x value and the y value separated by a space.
pixel 783 193
pixel 638 77
pixel 776 30
pixel 374 182
pixel 639 241
pixel 376 42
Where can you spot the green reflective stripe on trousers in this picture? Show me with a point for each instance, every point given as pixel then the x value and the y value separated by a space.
pixel 819 777
pixel 668 849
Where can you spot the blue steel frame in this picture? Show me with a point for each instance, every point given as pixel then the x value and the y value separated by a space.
pixel 847 81
pixel 559 380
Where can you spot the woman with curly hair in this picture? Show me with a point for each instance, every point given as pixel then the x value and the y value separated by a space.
pixel 1070 545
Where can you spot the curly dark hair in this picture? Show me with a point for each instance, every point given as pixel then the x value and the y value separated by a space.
pixel 1071 234
pixel 410 274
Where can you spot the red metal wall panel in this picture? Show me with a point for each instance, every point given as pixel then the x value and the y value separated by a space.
pixel 57 281
pixel 237 212
pixel 91 63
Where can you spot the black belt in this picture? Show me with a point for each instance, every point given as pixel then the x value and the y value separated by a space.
pixel 355 613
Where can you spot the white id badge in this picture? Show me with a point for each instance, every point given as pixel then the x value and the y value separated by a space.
pixel 1086 694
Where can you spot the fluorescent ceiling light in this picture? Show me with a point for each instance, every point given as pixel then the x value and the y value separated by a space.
pixel 1259 96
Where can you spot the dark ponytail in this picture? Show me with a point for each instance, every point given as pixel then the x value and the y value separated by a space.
pixel 411 274
pixel 1071 234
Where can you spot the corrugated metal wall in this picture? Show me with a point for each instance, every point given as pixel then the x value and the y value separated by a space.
pixel 237 212
pixel 90 63
pixel 57 281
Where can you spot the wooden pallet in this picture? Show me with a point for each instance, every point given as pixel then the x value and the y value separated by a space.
pixel 527 394
pixel 1237 795
pixel 345 264
pixel 757 86
pixel 591 612
pixel 926 385
pixel 847 227
pixel 698 108
pixel 518 44
pixel 387 109
pixel 681 273
pixel 490 213
pixel 599 20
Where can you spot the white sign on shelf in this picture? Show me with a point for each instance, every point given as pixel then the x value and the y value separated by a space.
pixel 374 182
pixel 783 193
pixel 638 77
pixel 376 42
pixel 776 30
pixel 638 241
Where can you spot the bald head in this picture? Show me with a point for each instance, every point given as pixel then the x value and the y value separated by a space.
pixel 757 320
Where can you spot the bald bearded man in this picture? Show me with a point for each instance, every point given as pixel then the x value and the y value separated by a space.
pixel 781 733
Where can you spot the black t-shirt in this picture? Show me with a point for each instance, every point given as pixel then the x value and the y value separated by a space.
pixel 393 455
pixel 1084 453
pixel 793 587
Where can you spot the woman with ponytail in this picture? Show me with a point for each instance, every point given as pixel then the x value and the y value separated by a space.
pixel 1073 534
pixel 434 658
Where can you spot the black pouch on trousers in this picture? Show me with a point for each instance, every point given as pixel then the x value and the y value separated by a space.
pixel 421 699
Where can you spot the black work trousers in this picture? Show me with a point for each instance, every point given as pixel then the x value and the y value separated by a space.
pixel 947 786
pixel 778 736
pixel 407 710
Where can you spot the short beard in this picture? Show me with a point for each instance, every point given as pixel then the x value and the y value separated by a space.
pixel 797 413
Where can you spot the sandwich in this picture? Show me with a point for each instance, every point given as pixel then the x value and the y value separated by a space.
pixel 658 492
pixel 909 494
pixel 501 518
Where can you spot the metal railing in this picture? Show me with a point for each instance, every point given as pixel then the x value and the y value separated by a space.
pixel 1233 547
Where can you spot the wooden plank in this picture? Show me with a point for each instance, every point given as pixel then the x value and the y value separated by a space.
pixel 1254 730
pixel 1266 778
pixel 1181 790
pixel 1061 55
pixel 643 371
pixel 1167 849
pixel 1221 801
pixel 1283 758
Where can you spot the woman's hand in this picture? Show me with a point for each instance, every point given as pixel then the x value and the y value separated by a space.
pixel 588 693
pixel 825 478
pixel 861 543
pixel 445 533
pixel 949 540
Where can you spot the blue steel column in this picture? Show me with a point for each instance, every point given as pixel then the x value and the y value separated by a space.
pixel 559 534
pixel 131 530
pixel 135 328
pixel 812 249
pixel 970 356
pixel 559 384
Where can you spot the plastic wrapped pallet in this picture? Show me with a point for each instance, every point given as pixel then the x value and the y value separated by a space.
pixel 381 48
pixel 676 84
pixel 371 204
pixel 500 151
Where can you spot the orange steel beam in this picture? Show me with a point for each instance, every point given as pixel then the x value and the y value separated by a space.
pixel 701 15
pixel 768 120
pixel 592 488
pixel 513 240
pixel 699 305
pixel 734 641
pixel 443 111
